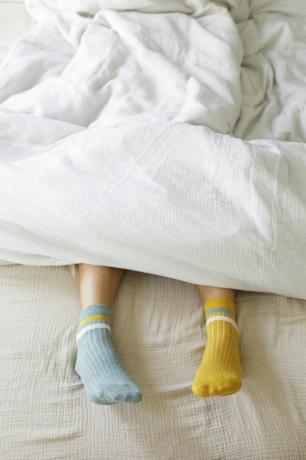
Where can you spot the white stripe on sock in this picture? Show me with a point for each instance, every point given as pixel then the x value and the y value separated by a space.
pixel 90 327
pixel 223 318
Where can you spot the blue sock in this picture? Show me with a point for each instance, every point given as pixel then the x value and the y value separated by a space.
pixel 97 363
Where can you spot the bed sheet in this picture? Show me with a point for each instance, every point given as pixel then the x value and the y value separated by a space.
pixel 159 334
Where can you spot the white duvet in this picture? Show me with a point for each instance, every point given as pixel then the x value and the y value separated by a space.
pixel 118 143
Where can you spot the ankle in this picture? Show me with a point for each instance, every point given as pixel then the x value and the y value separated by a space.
pixel 211 292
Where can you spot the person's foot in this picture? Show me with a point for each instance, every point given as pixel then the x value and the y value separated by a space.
pixel 219 373
pixel 97 363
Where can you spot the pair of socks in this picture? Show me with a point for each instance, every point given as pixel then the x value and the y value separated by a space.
pixel 106 382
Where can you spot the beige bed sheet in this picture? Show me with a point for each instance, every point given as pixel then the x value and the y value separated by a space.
pixel 159 334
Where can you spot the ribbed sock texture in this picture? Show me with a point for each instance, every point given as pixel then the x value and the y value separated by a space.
pixel 97 363
pixel 220 371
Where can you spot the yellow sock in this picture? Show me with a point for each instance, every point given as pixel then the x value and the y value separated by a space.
pixel 220 371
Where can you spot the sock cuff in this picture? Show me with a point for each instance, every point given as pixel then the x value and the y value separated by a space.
pixel 90 327
pixel 212 319
pixel 223 305
pixel 97 316
pixel 96 309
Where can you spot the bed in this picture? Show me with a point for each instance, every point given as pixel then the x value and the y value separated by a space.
pixel 158 329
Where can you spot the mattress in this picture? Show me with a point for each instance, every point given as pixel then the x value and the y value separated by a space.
pixel 159 335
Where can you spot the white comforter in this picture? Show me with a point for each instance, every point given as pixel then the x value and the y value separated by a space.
pixel 116 146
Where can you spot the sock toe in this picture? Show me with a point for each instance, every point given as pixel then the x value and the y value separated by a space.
pixel 124 393
pixel 217 388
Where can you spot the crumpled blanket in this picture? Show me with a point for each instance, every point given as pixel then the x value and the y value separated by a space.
pixel 117 148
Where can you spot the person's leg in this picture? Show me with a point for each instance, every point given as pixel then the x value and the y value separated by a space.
pixel 97 363
pixel 98 284
pixel 220 371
